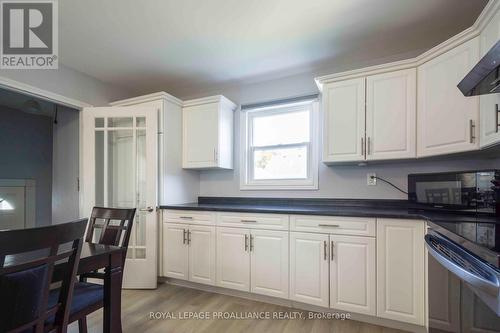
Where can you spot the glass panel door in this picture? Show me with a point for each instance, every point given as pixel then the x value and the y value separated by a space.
pixel 122 174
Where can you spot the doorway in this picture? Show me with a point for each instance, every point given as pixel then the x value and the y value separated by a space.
pixel 39 161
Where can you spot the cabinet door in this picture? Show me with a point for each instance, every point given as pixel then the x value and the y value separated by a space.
pixel 489 129
pixel 400 270
pixel 202 254
pixel 269 262
pixel 447 120
pixel 233 258
pixel 344 121
pixel 352 274
pixel 200 135
pixel 175 251
pixel 391 122
pixel 309 268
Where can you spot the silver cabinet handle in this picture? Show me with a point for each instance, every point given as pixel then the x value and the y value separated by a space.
pixel 186 217
pixel 368 149
pixel 189 237
pixel 248 221
pixel 215 154
pixel 331 250
pixel 362 146
pixel 148 209
pixel 472 127
pixel 183 236
pixel 246 243
pixel 324 250
pixel 497 111
pixel 329 225
pixel 251 243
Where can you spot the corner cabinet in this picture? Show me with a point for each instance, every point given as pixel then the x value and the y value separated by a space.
pixel 490 104
pixel 207 128
pixel 401 270
pixel 448 122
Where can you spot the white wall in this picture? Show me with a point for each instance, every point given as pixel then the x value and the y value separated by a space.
pixel 69 83
pixel 348 181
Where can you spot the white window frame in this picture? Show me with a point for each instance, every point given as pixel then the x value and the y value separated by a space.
pixel 246 151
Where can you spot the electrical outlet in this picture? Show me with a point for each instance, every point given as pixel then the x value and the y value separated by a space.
pixel 370 181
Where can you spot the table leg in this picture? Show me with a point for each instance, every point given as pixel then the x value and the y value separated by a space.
pixel 112 294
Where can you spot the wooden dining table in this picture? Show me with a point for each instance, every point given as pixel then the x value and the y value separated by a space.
pixel 94 257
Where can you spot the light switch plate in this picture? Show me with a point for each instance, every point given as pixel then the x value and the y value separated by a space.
pixel 371 181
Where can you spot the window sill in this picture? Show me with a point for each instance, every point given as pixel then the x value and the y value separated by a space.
pixel 278 187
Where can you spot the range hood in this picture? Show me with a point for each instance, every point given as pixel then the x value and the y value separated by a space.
pixel 484 78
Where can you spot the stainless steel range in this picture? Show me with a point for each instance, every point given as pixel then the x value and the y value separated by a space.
pixel 464 276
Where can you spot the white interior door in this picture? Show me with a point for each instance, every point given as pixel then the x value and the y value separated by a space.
pixel 119 169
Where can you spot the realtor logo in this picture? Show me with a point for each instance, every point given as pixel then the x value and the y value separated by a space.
pixel 29 34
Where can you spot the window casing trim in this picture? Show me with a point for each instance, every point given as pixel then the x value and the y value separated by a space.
pixel 246 150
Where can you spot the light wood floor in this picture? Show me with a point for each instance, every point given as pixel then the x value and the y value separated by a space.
pixel 137 304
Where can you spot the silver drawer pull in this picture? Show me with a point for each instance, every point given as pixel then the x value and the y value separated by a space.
pixel 329 225
pixel 186 217
pixel 248 221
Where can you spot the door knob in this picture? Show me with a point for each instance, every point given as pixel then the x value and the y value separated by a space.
pixel 147 209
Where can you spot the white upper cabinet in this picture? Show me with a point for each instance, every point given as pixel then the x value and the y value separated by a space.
pixel 447 120
pixel 344 121
pixel 391 115
pixel 490 104
pixel 207 126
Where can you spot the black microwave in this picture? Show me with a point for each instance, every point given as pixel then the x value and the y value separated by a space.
pixel 464 191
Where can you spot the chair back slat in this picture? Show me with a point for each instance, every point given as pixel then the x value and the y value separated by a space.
pixel 111 234
pixel 27 261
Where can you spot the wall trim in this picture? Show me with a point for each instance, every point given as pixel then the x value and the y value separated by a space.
pixel 27 89
pixel 293 304
pixel 483 19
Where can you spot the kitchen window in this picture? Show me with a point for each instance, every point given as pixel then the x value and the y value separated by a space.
pixel 280 147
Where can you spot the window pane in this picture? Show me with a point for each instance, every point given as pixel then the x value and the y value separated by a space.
pixel 282 128
pixel 120 122
pixel 284 163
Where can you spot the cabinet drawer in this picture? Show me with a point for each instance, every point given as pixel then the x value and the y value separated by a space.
pixel 252 221
pixel 360 226
pixel 189 217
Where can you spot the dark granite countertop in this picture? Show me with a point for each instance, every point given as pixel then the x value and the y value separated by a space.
pixel 331 207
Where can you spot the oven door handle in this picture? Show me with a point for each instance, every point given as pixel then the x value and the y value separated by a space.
pixel 472 279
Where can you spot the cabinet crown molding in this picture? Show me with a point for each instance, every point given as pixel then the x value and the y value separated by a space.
pixel 148 98
pixel 483 19
pixel 211 99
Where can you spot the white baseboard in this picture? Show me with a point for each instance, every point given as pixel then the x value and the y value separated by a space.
pixel 295 305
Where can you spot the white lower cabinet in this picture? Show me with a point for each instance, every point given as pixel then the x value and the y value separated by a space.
pixel 309 268
pixel 400 270
pixel 189 252
pixel 269 263
pixel 175 251
pixel 233 258
pixel 352 274
pixel 253 260
pixel 202 254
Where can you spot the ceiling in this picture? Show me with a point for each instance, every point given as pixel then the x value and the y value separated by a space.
pixel 191 45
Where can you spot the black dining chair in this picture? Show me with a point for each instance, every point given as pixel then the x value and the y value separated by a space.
pixel 108 226
pixel 30 259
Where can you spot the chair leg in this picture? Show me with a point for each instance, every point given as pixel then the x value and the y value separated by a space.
pixel 82 325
